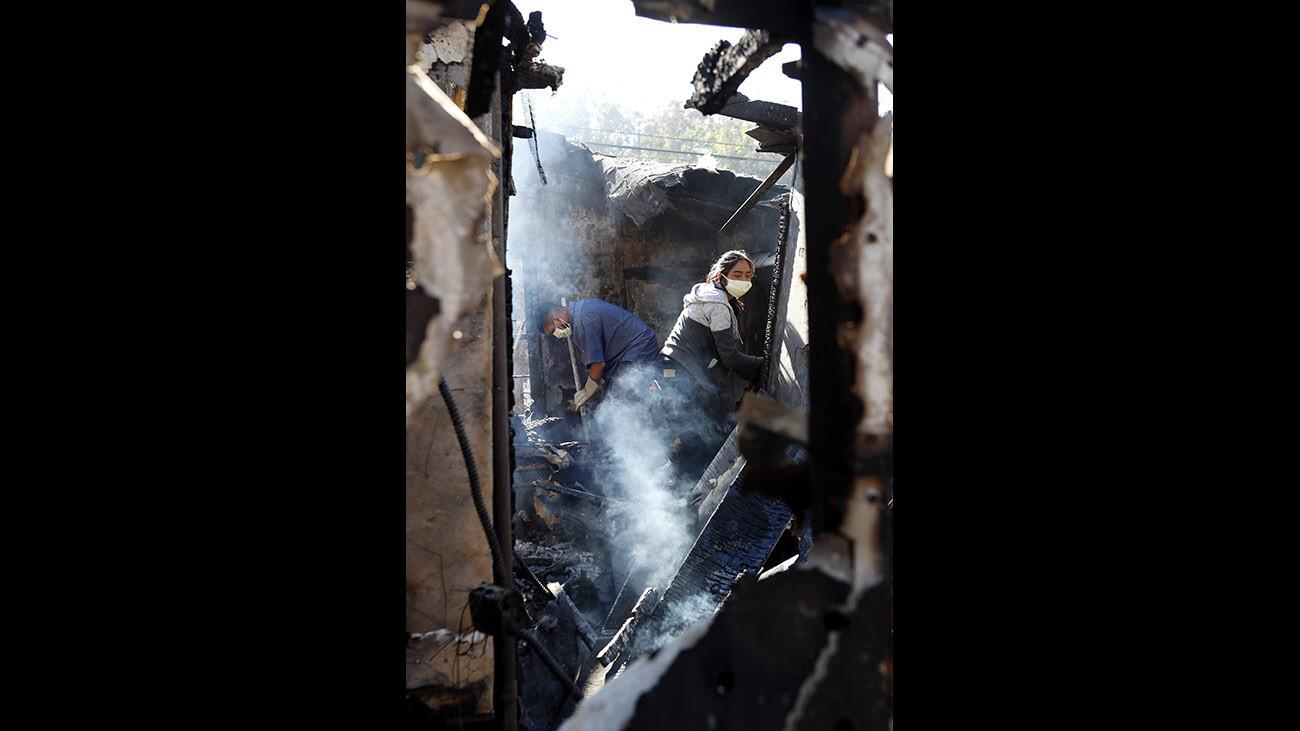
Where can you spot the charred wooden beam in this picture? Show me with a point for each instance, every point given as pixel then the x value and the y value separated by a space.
pixel 622 639
pixel 516 31
pixel 758 193
pixel 724 68
pixel 502 21
pixel 783 140
pixel 850 259
pixel 836 109
pixel 539 76
pixel 770 114
pixel 486 60
pixel 737 540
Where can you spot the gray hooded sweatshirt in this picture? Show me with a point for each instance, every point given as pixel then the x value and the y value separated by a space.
pixel 707 334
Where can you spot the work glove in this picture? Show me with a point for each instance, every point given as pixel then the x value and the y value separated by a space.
pixel 584 395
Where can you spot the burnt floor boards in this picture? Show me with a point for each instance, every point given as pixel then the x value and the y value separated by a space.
pixel 738 538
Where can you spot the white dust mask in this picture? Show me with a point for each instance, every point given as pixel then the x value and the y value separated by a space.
pixel 737 287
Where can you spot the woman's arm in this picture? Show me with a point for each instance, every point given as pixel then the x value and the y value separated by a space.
pixel 744 365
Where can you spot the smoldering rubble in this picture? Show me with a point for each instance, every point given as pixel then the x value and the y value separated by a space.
pixel 644 593
pixel 611 533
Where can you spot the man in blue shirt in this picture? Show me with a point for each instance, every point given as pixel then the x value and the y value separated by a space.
pixel 607 337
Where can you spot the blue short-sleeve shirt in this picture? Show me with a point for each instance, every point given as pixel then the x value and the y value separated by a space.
pixel 605 332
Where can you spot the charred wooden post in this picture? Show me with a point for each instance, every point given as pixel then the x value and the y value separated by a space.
pixel 836 109
pixel 486 60
pixel 758 193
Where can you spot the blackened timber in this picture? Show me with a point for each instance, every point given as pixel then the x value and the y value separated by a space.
pixel 724 68
pixel 775 139
pixel 505 682
pixel 737 539
pixel 769 114
pixel 486 60
pixel 777 296
pixel 645 605
pixel 836 109
pixel 759 192
pixel 516 31
pixel 539 76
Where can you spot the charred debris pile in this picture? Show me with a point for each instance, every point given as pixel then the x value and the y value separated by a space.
pixel 756 594
pixel 617 554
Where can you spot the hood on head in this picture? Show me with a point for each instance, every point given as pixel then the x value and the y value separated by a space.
pixel 705 292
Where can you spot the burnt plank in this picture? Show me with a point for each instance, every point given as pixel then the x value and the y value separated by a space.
pixel 761 112
pixel 726 66
pixel 737 539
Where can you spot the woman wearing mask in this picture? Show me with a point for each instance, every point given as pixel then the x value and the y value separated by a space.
pixel 702 357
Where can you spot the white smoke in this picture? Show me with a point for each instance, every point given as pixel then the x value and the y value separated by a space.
pixel 555 245
pixel 634 428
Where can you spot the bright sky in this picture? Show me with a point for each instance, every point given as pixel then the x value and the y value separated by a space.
pixel 638 63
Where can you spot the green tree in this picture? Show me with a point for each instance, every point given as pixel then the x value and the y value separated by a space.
pixel 684 132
